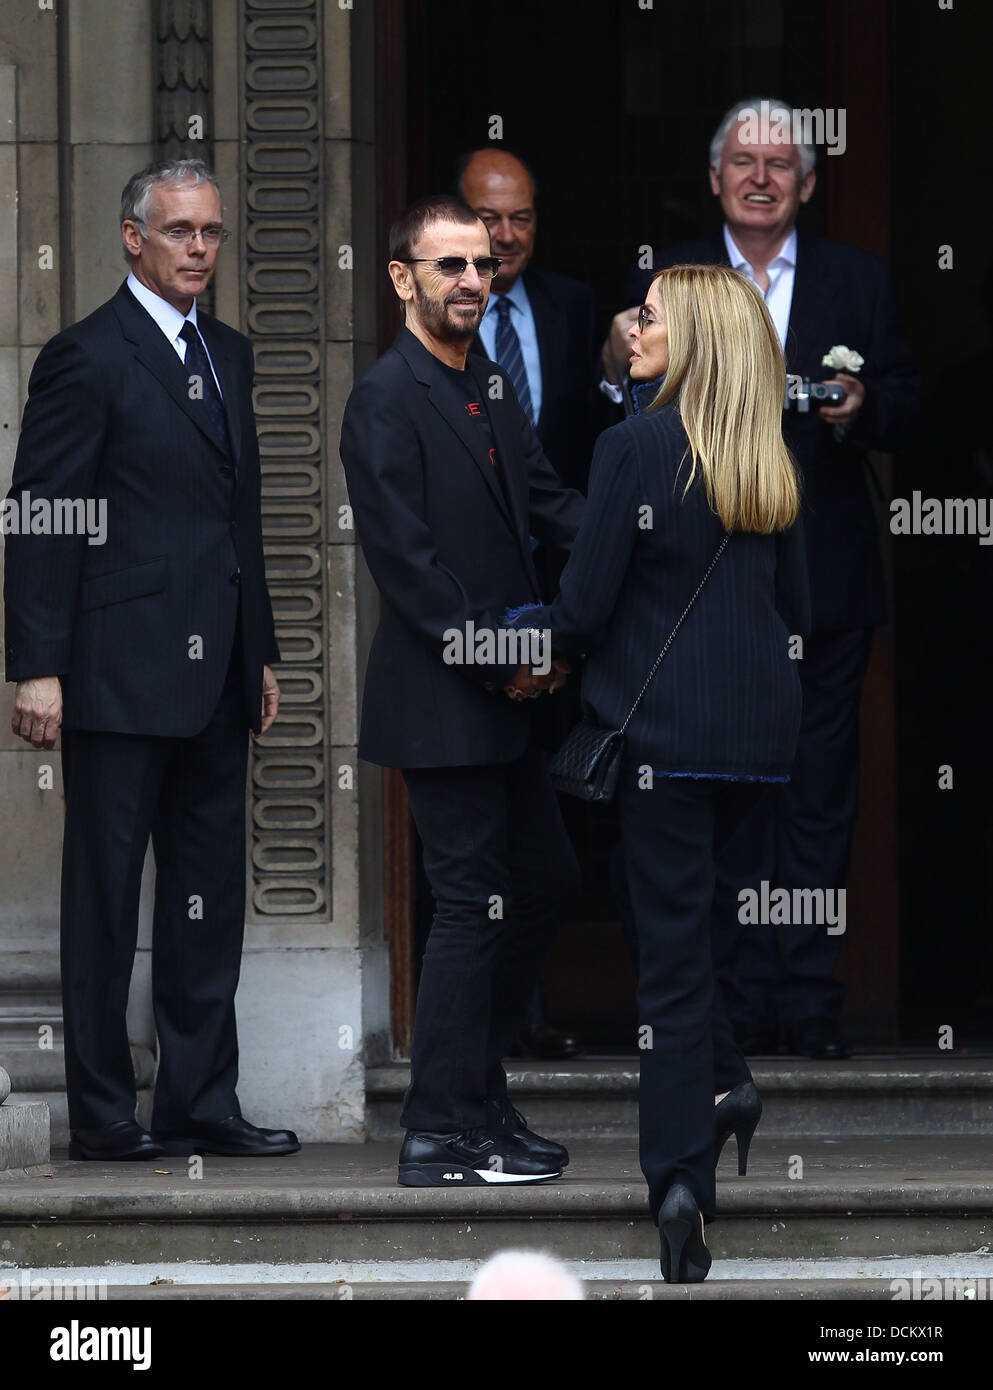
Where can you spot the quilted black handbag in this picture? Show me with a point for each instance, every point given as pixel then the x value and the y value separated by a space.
pixel 589 761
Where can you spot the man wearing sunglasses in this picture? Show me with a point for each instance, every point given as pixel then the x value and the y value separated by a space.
pixel 448 483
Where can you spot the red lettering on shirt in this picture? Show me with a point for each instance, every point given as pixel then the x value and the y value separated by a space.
pixel 473 407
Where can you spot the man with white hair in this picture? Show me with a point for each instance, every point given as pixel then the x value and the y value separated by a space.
pixel 153 652
pixel 822 295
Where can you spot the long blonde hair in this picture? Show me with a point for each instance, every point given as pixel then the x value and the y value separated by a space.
pixel 727 379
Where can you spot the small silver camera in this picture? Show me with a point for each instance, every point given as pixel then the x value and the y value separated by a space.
pixel 800 391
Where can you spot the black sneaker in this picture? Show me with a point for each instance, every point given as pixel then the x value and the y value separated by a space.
pixel 508 1120
pixel 470 1158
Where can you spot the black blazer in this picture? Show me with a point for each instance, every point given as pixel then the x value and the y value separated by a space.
pixel 444 550
pixel 109 415
pixel 841 296
pixel 726 699
pixel 572 408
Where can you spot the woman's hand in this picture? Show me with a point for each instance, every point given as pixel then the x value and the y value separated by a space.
pixel 528 685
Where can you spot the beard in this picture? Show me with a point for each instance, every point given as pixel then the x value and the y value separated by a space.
pixel 435 316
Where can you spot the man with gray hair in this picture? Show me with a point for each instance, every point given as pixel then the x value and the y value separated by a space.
pixel 835 313
pixel 153 653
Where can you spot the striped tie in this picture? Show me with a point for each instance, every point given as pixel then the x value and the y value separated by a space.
pixel 198 365
pixel 510 356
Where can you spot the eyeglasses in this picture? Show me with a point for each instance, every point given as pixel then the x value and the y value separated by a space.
pixel 186 236
pixel 454 266
pixel 645 318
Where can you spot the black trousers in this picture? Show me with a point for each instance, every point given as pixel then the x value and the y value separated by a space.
pixel 502 871
pixel 800 838
pixel 671 834
pixel 189 796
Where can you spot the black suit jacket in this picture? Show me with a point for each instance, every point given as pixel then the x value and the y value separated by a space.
pixel 109 416
pixel 726 700
pixel 445 550
pixel 841 297
pixel 572 408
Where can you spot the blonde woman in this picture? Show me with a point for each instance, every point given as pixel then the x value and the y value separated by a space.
pixel 719 722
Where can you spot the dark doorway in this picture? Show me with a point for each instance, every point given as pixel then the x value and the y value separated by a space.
pixel 613 106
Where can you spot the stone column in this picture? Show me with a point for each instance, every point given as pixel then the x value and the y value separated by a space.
pixel 24 1129
pixel 313 999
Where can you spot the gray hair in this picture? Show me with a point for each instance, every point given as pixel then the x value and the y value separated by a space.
pixel 807 152
pixel 138 189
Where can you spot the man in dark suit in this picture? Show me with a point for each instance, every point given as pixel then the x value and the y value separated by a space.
pixel 821 295
pixel 540 326
pixel 152 649
pixel 448 482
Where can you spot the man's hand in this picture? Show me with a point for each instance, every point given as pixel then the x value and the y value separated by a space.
pixel 270 701
pixel 38 710
pixel 619 341
pixel 845 413
pixel 526 685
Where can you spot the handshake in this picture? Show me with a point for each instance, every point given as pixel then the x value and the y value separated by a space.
pixel 527 685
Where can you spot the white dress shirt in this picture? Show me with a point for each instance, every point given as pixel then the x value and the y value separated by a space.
pixel 781 271
pixel 522 317
pixel 170 320
pixel 778 297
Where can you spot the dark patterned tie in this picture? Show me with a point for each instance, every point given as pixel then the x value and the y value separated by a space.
pixel 198 364
pixel 510 355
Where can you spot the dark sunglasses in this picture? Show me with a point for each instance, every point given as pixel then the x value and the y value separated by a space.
pixel 454 266
pixel 645 318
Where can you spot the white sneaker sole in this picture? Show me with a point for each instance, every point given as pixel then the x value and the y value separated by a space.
pixel 492 1175
pixel 455 1175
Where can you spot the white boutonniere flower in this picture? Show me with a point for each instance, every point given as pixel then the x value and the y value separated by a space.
pixel 843 359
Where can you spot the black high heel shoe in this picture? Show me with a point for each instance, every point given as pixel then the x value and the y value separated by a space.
pixel 738 1114
pixel 683 1253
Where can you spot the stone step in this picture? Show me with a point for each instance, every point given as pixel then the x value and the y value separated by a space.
pixel 860 1198
pixel 957 1278
pixel 599 1290
pixel 597 1098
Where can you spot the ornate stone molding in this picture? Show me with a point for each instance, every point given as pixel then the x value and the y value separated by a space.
pixel 183 78
pixel 283 199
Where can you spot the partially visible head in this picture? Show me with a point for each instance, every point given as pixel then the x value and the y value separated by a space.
pixel 726 375
pixel 761 184
pixel 158 203
pixel 524 1276
pixel 501 189
pixel 448 306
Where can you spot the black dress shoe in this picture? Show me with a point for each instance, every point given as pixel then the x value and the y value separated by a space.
pixel 507 1120
pixel 122 1142
pixel 818 1038
pixel 546 1043
pixel 470 1158
pixel 233 1137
